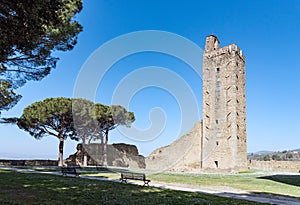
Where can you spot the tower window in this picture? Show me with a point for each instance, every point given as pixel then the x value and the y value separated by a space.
pixel 217 164
pixel 217 143
pixel 217 69
pixel 217 121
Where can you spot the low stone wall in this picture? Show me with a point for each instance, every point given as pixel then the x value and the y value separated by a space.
pixel 282 166
pixel 9 162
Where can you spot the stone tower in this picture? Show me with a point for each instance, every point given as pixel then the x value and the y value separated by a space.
pixel 218 142
pixel 224 107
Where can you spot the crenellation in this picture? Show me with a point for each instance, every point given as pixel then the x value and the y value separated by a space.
pixel 230 49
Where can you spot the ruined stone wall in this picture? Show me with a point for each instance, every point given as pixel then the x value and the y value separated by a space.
pixel 118 155
pixel 224 107
pixel 26 162
pixel 126 148
pixel 184 154
pixel 282 166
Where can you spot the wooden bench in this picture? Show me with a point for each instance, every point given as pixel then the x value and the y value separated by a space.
pixel 70 170
pixel 134 176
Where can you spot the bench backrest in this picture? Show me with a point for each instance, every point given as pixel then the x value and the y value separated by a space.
pixel 137 176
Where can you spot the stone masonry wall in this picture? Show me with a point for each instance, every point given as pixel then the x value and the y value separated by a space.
pixel 118 155
pixel 281 166
pixel 184 154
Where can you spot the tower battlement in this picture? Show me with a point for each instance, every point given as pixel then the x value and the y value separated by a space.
pixel 230 49
pixel 212 48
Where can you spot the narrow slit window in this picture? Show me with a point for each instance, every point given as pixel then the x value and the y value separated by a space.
pixel 217 164
pixel 217 69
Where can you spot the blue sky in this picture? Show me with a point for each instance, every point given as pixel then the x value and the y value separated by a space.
pixel 266 31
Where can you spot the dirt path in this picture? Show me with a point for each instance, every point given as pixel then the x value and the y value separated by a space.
pixel 232 193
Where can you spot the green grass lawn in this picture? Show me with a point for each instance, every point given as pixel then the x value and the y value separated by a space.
pixel 249 181
pixel 257 183
pixel 32 188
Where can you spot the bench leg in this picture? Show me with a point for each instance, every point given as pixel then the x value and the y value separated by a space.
pixel 146 183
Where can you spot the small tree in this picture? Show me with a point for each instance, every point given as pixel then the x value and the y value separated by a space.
pixel 289 156
pixel 85 123
pixel 50 117
pixel 276 157
pixel 109 118
pixel 267 158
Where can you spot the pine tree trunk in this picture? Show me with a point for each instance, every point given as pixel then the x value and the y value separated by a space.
pixel 105 154
pixel 85 159
pixel 60 151
pixel 105 149
pixel 84 146
pixel 102 149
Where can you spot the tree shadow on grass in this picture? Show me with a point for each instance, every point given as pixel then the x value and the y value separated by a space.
pixel 286 179
pixel 276 196
pixel 51 189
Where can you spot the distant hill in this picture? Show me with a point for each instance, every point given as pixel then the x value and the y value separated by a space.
pixel 286 155
pixel 263 152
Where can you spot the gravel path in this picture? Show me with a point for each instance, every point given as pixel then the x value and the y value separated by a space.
pixel 232 193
